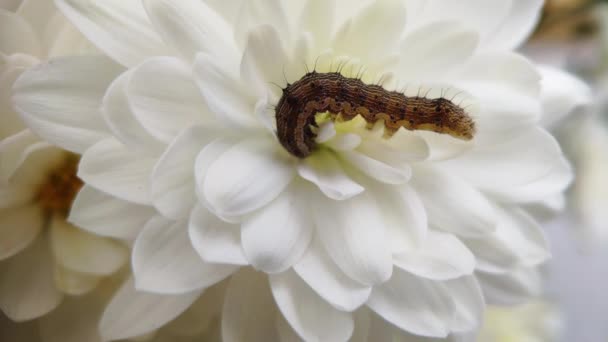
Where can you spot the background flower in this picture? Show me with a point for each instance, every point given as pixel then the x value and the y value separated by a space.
pixel 42 257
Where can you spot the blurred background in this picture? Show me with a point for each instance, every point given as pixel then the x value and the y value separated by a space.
pixel 573 34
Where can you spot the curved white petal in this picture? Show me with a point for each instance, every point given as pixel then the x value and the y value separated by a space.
pixel 247 177
pixel 191 26
pixel 379 35
pixel 307 313
pixel 119 28
pixel 452 204
pixel 26 295
pixel 377 169
pixel 225 95
pixel 440 257
pixel 434 49
pixel 469 303
pixel 276 236
pixel 517 26
pixel 320 273
pixel 215 240
pixel 121 120
pixel 18 229
pixel 242 319
pixel 134 313
pixel 172 181
pixel 518 240
pixel 60 100
pixel 512 288
pixel 420 306
pixel 165 262
pixel 353 235
pixel 561 93
pixel 83 252
pixel 263 53
pixel 252 14
pixel 404 216
pixel 74 283
pixel 113 168
pixel 105 215
pixel 480 15
pixel 14 150
pixel 165 98
pixel 324 170
pixel 525 167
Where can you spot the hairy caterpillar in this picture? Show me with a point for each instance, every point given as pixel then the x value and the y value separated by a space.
pixel 348 97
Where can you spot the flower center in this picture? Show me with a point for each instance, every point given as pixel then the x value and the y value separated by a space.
pixel 345 98
pixel 58 190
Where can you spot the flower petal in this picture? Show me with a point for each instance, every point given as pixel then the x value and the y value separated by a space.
pixel 320 273
pixel 253 14
pixel 121 120
pixel 74 321
pixel 172 180
pixel 164 261
pixel 83 252
pixel 263 52
pixel 17 35
pixel 164 97
pixel 60 101
pixel 561 94
pixel 26 295
pixel 525 167
pixel 192 26
pixel 404 216
pixel 469 304
pixel 105 215
pixel 18 229
pixel 74 283
pixel 352 234
pixel 450 44
pixel 215 240
pixel 118 28
pixel 453 205
pixel 517 26
pixel 134 313
pixel 14 150
pixel 518 240
pixel 512 288
pixel 420 306
pixel 441 256
pixel 111 167
pixel 247 177
pixel 376 169
pixel 242 319
pixel 226 97
pixel 276 236
pixel 325 171
pixel 379 35
pixel 307 313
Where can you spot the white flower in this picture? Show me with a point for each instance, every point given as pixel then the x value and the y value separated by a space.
pixel 42 256
pixel 401 231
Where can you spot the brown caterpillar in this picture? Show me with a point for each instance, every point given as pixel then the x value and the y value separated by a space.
pixel 348 97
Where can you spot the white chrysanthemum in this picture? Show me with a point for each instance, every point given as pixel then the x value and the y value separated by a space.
pixel 402 233
pixel 42 257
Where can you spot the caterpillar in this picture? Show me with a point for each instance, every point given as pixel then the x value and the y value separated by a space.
pixel 346 98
